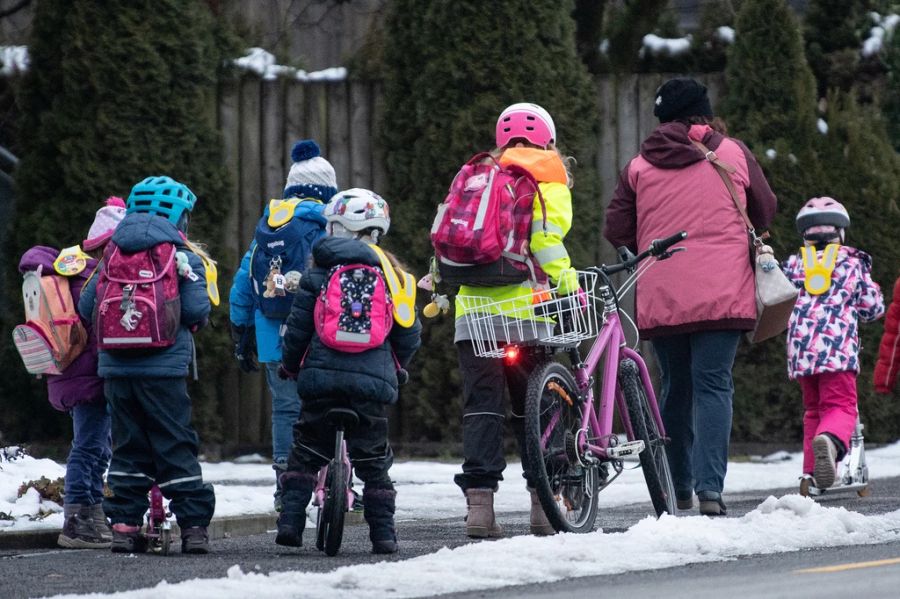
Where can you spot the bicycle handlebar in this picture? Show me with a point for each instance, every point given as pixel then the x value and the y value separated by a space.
pixel 658 248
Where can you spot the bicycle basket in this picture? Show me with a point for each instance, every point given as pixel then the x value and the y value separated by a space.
pixel 544 317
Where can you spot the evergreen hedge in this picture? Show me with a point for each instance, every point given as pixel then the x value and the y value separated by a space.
pixel 770 104
pixel 117 91
pixel 450 70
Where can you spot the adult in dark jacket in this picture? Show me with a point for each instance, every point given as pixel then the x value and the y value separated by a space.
pixel 365 382
pixel 695 306
pixel 153 439
pixel 79 391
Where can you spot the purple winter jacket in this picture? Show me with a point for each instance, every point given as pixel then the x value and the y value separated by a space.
pixel 79 383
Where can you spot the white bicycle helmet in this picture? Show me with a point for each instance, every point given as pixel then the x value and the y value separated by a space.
pixel 357 211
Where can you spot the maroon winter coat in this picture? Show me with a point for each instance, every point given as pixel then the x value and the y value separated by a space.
pixel 669 187
pixel 79 383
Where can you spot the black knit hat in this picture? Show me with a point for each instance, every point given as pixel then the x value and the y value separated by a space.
pixel 681 98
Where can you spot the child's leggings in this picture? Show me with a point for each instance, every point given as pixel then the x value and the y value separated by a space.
pixel 829 402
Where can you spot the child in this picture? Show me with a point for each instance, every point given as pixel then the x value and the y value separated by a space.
pixel 79 391
pixel 153 440
pixel 257 315
pixel 526 137
pixel 836 292
pixel 365 382
pixel 889 350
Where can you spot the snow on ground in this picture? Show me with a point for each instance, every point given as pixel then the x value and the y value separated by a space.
pixel 425 490
pixel 777 525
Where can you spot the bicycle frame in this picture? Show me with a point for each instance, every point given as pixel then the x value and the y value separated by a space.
pixel 610 347
pixel 340 450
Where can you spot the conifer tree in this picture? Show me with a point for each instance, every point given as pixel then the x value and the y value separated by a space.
pixel 118 91
pixel 445 87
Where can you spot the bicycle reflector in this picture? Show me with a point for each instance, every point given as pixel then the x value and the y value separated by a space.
pixel 511 354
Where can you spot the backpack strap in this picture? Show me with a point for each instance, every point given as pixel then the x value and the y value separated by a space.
pixel 403 290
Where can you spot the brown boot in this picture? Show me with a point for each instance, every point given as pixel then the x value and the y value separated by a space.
pixel 540 525
pixel 480 521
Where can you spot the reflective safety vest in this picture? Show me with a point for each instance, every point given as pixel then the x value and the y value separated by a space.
pixel 817 275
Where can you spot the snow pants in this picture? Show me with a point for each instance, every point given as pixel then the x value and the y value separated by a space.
pixel 829 404
pixel 154 442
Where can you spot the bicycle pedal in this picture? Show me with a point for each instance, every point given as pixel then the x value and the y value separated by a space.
pixel 628 448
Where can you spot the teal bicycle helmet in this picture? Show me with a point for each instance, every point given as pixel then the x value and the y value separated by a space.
pixel 163 196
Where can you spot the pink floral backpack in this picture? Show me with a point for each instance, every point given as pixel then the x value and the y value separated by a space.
pixel 354 311
pixel 138 302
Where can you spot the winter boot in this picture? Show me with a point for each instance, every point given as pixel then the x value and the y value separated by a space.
pixel 540 525
pixel 685 501
pixel 711 504
pixel 78 529
pixel 128 539
pixel 194 539
pixel 100 522
pixel 826 455
pixel 378 510
pixel 480 521
pixel 297 488
pixel 279 468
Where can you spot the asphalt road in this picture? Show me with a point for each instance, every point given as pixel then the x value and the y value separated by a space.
pixel 38 573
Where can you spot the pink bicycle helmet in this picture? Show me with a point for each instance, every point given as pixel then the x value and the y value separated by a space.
pixel 527 121
pixel 821 217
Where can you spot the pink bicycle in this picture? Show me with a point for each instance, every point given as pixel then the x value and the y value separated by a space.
pixel 570 448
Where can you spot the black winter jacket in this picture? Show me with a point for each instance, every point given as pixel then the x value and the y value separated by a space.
pixel 327 373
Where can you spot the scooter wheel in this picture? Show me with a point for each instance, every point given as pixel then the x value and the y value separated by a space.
pixel 864 492
pixel 165 540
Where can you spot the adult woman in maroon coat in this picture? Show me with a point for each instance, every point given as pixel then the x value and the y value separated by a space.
pixel 694 308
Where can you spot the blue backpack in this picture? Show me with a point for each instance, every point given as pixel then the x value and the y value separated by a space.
pixel 284 238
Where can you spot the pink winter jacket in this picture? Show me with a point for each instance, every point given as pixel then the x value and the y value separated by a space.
pixel 669 187
pixel 823 332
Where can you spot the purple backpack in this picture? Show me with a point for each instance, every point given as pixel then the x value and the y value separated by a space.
pixel 138 304
pixel 354 311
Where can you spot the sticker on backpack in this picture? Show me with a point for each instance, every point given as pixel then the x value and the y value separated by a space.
pixel 138 301
pixel 354 312
pixel 52 335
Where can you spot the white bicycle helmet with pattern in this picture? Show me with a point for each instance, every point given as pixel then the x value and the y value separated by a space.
pixel 357 210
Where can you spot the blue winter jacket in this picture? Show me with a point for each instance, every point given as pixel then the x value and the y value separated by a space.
pixel 244 303
pixel 325 373
pixel 136 232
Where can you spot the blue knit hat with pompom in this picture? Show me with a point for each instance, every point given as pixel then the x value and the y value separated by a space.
pixel 311 176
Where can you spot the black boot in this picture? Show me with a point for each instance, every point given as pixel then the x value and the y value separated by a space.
pixel 378 510
pixel 296 491
pixel 279 468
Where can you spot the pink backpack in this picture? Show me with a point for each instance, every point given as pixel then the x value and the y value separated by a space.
pixel 52 336
pixel 138 305
pixel 481 234
pixel 354 311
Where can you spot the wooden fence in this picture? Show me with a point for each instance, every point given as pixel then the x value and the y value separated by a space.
pixel 261 119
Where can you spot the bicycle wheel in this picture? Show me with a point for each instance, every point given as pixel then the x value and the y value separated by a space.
pixel 654 461
pixel 335 506
pixel 566 486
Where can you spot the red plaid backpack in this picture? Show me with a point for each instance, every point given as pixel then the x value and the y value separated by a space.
pixel 481 234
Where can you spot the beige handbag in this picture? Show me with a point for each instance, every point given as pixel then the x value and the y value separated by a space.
pixel 775 294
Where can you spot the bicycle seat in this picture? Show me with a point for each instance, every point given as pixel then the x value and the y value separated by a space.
pixel 341 417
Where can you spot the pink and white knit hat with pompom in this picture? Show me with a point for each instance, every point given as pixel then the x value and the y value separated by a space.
pixel 105 222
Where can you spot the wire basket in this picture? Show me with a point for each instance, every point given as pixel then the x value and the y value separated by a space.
pixel 542 318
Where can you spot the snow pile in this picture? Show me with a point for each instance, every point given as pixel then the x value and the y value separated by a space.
pixel 725 34
pixel 262 62
pixel 28 512
pixel 789 523
pixel 665 46
pixel 880 33
pixel 13 59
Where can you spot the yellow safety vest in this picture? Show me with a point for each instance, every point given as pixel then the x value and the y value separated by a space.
pixel 403 290
pixel 817 275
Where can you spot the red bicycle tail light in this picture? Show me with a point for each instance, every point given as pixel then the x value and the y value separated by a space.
pixel 511 353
